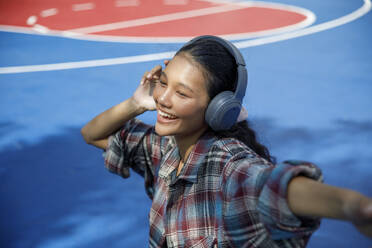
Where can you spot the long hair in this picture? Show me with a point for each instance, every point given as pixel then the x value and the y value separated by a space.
pixel 219 70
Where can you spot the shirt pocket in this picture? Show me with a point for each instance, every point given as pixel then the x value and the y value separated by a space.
pixel 202 242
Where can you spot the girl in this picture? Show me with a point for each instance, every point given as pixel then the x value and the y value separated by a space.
pixel 214 185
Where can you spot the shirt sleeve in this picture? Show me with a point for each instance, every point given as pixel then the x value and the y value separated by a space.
pixel 135 146
pixel 273 203
pixel 241 185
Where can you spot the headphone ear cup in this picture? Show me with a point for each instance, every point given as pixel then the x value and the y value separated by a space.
pixel 223 111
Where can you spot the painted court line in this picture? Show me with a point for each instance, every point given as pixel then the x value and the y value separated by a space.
pixel 40 28
pixel 49 12
pixel 158 56
pixel 157 19
pixel 87 64
pixel 83 6
pixel 84 33
pixel 310 30
pixel 126 3
pixel 31 20
pixel 175 2
pixel 310 19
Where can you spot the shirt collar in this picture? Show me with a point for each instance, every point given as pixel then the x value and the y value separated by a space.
pixel 193 162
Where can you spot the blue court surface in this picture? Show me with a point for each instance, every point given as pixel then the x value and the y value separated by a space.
pixel 309 97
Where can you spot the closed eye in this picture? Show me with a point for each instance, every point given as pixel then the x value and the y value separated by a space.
pixel 182 94
pixel 162 84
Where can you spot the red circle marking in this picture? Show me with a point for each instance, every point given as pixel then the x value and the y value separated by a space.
pixel 236 21
pixel 233 22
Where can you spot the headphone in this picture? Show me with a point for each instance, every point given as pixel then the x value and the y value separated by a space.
pixel 224 109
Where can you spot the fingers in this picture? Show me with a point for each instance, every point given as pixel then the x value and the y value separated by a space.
pixel 151 75
pixel 155 72
pixel 143 79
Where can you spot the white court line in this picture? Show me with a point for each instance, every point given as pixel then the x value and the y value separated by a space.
pixel 40 28
pixel 159 56
pixel 31 20
pixel 310 19
pixel 175 2
pixel 310 30
pixel 83 6
pixel 127 3
pixel 86 64
pixel 49 12
pixel 157 19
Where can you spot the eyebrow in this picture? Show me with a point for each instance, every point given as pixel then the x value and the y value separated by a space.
pixel 179 83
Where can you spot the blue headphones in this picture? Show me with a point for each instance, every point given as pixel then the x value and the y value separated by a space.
pixel 223 110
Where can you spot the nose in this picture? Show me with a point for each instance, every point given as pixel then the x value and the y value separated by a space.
pixel 164 99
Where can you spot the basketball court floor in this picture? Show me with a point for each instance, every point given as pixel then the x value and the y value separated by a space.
pixel 309 97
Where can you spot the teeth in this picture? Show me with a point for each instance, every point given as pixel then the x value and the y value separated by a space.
pixel 169 116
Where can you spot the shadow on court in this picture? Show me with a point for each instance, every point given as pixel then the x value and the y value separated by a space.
pixel 57 193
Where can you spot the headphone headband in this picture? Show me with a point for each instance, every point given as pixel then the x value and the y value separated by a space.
pixel 227 44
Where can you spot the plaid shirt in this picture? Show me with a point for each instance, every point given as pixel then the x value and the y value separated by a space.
pixel 225 195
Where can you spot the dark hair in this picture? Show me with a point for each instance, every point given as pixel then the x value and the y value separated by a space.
pixel 219 69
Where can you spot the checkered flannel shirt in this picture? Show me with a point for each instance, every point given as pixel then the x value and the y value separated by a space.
pixel 225 195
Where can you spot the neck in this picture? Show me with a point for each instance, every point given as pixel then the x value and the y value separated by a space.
pixel 186 143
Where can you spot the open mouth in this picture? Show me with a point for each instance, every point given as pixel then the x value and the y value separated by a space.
pixel 166 115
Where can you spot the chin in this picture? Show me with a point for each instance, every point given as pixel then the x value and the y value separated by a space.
pixel 164 131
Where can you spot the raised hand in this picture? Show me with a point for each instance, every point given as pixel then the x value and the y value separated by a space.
pixel 143 94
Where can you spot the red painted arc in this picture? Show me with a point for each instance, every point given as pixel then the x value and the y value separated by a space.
pixel 245 20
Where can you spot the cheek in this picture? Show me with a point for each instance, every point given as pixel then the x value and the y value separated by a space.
pixel 191 110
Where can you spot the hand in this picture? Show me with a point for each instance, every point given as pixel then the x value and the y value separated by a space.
pixel 143 94
pixel 359 211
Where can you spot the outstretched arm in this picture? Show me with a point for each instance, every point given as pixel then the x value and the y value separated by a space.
pixel 97 131
pixel 308 197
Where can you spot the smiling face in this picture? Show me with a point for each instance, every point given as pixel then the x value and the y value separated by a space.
pixel 181 99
